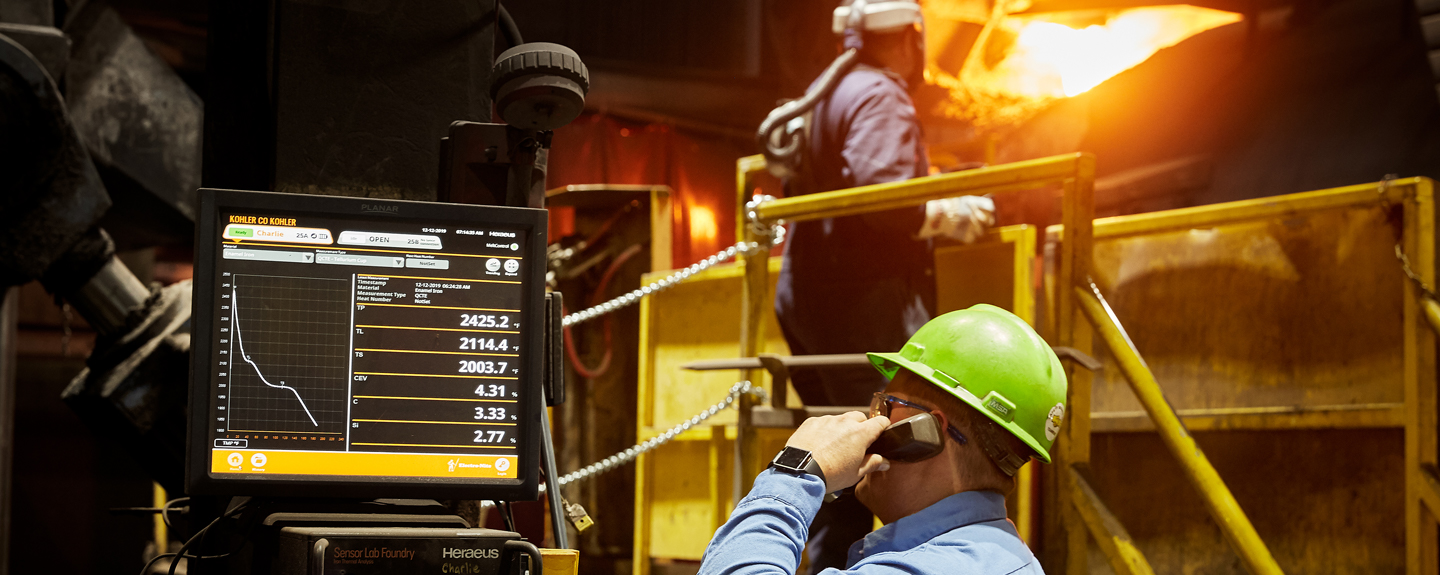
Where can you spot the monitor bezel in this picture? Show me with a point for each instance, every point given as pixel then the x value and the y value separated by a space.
pixel 199 481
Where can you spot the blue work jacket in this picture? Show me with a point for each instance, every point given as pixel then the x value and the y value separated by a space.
pixel 860 283
pixel 966 533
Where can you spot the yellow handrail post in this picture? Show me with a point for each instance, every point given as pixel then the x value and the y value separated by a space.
pixel 1217 497
pixel 1420 372
pixel 752 304
pixel 752 314
pixel 1076 245
pixel 746 169
pixel 1432 312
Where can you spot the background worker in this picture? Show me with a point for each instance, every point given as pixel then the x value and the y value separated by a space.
pixel 997 390
pixel 829 298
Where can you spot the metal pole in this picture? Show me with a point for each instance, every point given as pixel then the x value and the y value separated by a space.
pixel 1112 538
pixel 9 318
pixel 1418 242
pixel 1015 177
pixel 1073 446
pixel 753 299
pixel 1217 497
pixel 552 484
pixel 1432 312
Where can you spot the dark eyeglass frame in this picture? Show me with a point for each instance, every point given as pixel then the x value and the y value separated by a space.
pixel 880 405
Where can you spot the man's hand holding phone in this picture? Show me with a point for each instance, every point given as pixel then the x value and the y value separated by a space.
pixel 838 444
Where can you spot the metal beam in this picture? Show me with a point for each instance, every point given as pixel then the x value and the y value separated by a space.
pixel 790 361
pixel 1223 507
pixel 9 321
pixel 1077 244
pixel 1348 416
pixel 1430 488
pixel 1114 540
pixel 878 197
pixel 1418 245
pixel 1258 209
pixel 1432 312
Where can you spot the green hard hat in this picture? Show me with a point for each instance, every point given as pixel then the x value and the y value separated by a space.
pixel 996 363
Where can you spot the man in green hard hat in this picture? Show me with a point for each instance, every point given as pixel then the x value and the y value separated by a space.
pixel 997 391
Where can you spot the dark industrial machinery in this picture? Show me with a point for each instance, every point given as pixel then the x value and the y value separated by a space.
pixel 64 159
pixel 537 87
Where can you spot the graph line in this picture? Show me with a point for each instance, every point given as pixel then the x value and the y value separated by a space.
pixel 235 322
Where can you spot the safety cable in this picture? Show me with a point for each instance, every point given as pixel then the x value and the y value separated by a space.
pixel 628 455
pixel 1409 273
pixel 775 236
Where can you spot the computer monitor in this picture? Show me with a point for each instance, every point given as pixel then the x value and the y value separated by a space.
pixel 353 347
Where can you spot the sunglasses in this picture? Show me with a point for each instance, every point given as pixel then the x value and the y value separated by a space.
pixel 880 404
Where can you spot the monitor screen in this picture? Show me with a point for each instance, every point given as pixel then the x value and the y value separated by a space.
pixel 358 347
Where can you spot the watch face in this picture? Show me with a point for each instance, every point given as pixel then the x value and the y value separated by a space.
pixel 792 458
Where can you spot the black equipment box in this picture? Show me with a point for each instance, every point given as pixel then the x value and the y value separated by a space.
pixel 411 550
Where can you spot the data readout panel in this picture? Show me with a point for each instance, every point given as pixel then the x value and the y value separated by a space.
pixel 366 348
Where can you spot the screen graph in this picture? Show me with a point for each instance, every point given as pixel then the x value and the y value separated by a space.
pixel 289 354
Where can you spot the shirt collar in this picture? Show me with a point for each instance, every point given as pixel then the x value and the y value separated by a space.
pixel 957 510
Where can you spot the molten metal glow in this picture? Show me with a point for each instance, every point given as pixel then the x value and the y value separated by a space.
pixel 1027 61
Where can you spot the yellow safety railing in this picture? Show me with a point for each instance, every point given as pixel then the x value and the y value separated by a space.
pixel 1074 300
pixel 1416 250
pixel 1075 172
pixel 1218 499
pixel 1414 198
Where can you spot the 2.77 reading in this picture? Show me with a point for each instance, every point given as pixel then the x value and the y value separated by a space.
pixel 489 436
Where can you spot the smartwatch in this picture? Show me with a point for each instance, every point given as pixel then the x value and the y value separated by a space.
pixel 796 461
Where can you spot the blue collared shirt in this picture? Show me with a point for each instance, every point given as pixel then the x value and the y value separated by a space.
pixel 963 533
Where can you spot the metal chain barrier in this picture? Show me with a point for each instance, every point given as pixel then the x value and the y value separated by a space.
pixel 775 234
pixel 1409 273
pixel 630 454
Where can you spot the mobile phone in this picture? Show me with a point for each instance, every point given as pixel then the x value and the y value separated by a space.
pixel 915 438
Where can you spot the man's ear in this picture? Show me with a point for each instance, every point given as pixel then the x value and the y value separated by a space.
pixel 942 419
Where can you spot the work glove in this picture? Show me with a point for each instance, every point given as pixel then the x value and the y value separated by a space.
pixel 964 218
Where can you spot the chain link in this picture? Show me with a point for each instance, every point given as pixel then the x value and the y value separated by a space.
pixel 1385 203
pixel 775 236
pixel 1410 273
pixel 609 463
pixel 630 454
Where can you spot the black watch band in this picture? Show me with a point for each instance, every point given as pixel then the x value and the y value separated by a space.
pixel 796 461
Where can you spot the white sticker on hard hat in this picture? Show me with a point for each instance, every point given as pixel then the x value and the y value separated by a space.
pixel 1052 423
